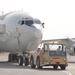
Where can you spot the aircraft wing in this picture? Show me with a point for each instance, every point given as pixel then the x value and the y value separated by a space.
pixel 56 40
pixel 69 42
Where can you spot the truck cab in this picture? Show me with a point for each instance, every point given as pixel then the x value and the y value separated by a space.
pixel 50 54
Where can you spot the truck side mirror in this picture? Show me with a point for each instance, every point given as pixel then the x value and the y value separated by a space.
pixel 45 48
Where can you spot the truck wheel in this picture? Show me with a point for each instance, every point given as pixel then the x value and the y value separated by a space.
pixel 63 67
pixel 26 62
pixel 20 60
pixel 38 63
pixel 32 62
pixel 55 66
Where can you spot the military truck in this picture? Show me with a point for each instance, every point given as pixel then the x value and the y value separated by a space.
pixel 49 54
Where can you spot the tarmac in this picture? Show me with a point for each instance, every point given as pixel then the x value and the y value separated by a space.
pixel 7 68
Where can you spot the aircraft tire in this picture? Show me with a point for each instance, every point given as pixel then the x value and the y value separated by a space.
pixel 20 61
pixel 26 61
pixel 32 62
pixel 10 57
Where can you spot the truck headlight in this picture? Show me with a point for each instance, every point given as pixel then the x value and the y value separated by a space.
pixel 51 59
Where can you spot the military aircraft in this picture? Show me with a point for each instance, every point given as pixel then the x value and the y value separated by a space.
pixel 19 34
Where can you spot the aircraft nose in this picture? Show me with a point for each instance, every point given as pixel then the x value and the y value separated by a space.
pixel 38 34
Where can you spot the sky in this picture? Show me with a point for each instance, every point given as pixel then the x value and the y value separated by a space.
pixel 58 15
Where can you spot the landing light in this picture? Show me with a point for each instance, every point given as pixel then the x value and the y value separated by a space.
pixel 51 59
pixel 64 60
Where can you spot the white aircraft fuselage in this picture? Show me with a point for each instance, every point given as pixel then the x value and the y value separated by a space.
pixel 19 32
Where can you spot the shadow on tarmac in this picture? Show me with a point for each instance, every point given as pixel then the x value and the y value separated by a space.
pixel 9 65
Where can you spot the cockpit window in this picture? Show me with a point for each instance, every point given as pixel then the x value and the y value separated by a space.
pixel 37 21
pixel 22 22
pixel 29 22
pixel 26 22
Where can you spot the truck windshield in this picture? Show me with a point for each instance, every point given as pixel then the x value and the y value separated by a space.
pixel 57 50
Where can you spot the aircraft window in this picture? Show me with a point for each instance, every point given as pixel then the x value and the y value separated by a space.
pixel 22 22
pixel 29 22
pixel 37 21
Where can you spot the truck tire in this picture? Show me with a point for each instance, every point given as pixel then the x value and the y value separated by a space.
pixel 63 67
pixel 55 66
pixel 38 63
pixel 26 62
pixel 32 62
pixel 20 61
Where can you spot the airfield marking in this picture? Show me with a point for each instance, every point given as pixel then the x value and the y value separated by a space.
pixel 67 72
